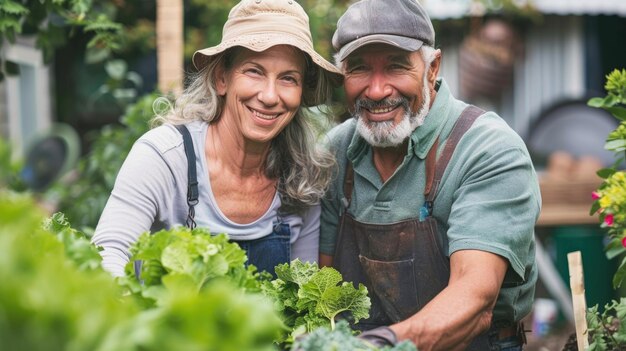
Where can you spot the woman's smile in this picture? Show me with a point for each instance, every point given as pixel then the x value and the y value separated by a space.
pixel 263 115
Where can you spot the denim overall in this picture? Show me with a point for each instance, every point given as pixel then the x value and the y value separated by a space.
pixel 269 251
pixel 402 264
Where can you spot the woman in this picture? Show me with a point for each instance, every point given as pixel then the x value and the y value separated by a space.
pixel 260 177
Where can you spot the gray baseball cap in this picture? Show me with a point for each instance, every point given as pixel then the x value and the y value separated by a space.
pixel 401 23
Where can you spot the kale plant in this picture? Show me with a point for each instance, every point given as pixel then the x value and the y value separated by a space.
pixel 342 338
pixel 310 297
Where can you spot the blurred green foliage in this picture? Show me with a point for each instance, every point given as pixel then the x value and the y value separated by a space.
pixel 46 302
pixel 54 298
pixel 9 168
pixel 53 22
pixel 83 200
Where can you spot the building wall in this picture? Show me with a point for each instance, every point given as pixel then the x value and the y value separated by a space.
pixel 28 95
pixel 551 70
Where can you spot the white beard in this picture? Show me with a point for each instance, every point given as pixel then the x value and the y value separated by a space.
pixel 386 134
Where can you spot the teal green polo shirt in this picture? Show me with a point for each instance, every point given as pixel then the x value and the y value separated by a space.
pixel 488 198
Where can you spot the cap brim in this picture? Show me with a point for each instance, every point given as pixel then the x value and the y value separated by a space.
pixel 404 43
pixel 259 43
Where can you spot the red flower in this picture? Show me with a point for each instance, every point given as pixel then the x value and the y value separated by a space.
pixel 595 195
pixel 624 241
pixel 608 219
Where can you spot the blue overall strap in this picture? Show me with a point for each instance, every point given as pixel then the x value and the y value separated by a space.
pixel 192 181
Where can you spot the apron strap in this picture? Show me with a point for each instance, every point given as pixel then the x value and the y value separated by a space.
pixel 192 181
pixel 431 160
pixel 348 185
pixel 462 124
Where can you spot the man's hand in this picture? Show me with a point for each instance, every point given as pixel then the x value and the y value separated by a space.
pixel 380 337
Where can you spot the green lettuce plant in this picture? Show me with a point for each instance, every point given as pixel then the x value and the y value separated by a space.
pixel 53 297
pixel 76 245
pixel 192 258
pixel 47 301
pixel 220 317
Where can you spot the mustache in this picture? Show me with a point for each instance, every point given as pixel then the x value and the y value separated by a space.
pixel 369 104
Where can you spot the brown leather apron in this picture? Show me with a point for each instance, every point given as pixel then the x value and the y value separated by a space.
pixel 402 264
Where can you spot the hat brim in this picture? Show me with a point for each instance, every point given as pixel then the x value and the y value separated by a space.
pixel 261 42
pixel 404 43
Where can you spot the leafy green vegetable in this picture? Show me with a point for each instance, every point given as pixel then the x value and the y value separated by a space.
pixel 220 317
pixel 310 298
pixel 77 246
pixel 46 302
pixel 194 256
pixel 341 338
pixel 322 293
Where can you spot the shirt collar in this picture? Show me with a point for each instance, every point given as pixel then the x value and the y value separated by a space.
pixel 423 137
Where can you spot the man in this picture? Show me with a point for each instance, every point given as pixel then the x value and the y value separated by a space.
pixel 434 203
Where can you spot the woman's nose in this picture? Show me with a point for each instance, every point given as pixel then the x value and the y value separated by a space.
pixel 269 94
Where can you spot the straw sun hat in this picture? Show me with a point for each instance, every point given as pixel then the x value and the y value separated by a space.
pixel 260 24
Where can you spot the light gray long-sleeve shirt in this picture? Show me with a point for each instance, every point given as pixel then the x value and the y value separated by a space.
pixel 150 193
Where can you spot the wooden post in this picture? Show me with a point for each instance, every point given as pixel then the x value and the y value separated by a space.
pixel 169 27
pixel 577 284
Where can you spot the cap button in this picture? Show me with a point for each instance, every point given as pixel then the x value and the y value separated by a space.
pixel 257 1
pixel 290 2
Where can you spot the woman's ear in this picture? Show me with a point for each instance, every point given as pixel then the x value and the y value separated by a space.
pixel 220 80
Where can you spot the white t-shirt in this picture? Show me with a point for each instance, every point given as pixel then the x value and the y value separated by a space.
pixel 150 193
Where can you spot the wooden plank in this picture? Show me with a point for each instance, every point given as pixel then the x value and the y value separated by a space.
pixel 169 29
pixel 577 284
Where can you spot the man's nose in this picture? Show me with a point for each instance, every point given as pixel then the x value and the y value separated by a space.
pixel 378 87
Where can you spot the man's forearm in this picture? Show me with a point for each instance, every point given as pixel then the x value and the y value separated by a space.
pixel 462 310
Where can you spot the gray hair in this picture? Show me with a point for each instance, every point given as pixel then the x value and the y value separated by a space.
pixel 428 55
pixel 302 168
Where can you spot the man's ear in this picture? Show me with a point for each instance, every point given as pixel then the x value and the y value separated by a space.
pixel 435 65
pixel 220 80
